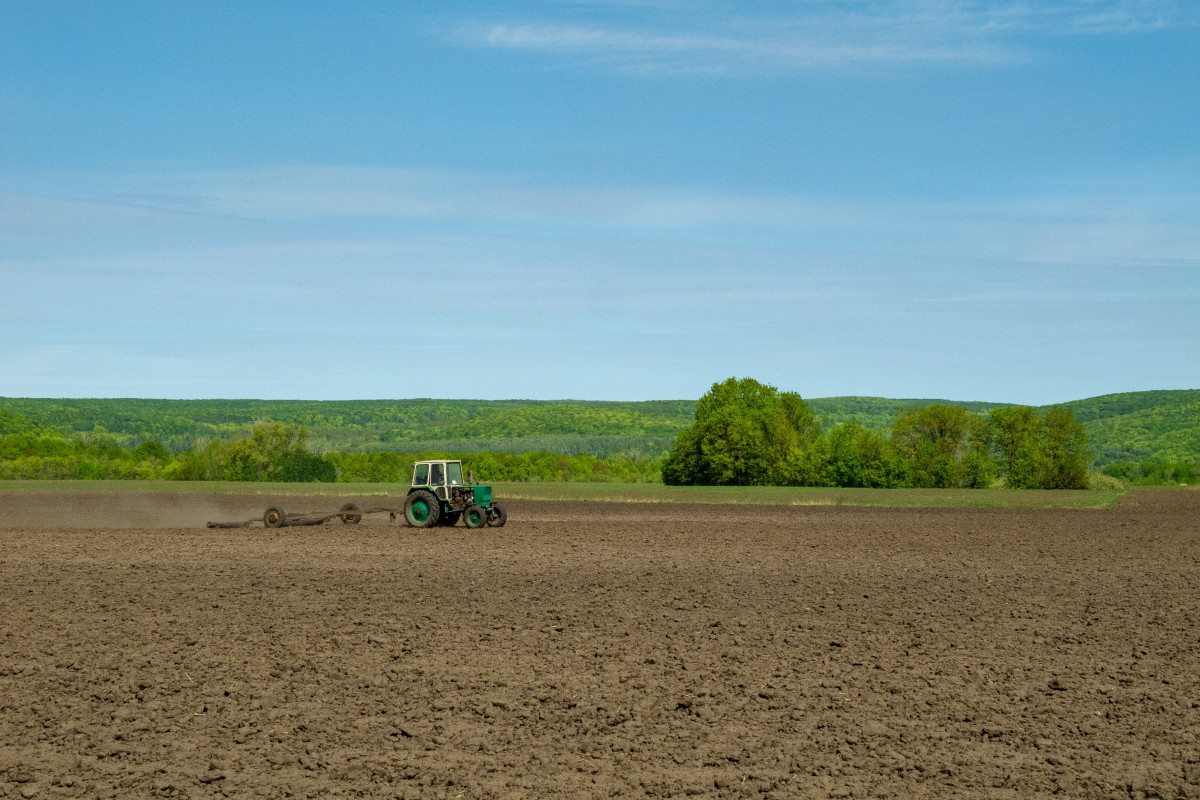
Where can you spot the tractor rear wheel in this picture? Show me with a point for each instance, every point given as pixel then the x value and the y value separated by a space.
pixel 497 516
pixel 274 517
pixel 421 510
pixel 349 514
pixel 475 517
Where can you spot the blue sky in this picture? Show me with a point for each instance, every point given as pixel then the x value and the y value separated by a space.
pixel 599 200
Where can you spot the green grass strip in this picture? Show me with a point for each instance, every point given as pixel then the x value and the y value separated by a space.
pixel 629 493
pixel 805 496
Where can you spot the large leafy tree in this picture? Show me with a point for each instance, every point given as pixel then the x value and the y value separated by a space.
pixel 945 446
pixel 746 434
pixel 1016 439
pixel 1049 451
pixel 863 458
pixel 1067 450
pixel 273 452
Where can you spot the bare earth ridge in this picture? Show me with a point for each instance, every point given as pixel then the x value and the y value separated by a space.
pixel 593 650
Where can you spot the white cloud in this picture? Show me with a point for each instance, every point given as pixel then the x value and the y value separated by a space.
pixel 768 50
pixel 731 39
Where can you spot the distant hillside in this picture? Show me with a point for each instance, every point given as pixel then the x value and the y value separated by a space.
pixel 572 427
pixel 12 422
pixel 1142 426
pixel 1138 426
pixel 879 413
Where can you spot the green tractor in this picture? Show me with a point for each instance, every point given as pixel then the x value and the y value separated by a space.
pixel 440 496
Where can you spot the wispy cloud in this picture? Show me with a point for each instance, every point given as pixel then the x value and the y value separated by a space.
pixel 1089 17
pixel 1098 221
pixel 719 38
pixel 768 51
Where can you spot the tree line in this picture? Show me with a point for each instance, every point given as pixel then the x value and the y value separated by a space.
pixel 746 433
pixel 274 451
pixel 1150 427
pixel 1153 473
pixel 351 424
pixel 741 432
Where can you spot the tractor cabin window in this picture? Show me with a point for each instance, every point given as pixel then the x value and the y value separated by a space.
pixel 421 475
pixel 454 473
pixel 437 476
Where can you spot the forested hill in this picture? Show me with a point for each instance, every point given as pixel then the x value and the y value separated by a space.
pixel 878 413
pixel 1159 426
pixel 1135 426
pixel 566 426
pixel 12 422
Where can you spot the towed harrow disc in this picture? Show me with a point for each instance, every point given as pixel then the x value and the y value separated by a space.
pixel 274 517
pixel 421 510
pixel 350 514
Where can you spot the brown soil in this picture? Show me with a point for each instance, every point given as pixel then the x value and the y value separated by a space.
pixel 591 650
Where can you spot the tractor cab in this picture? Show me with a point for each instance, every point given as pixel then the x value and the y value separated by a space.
pixel 438 475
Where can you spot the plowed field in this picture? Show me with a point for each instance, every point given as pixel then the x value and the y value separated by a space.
pixel 594 650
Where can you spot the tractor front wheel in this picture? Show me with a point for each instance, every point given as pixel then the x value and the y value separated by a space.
pixel 475 517
pixel 421 510
pixel 497 516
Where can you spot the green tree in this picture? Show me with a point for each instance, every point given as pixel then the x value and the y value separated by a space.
pixel 153 449
pixel 1066 452
pixel 273 452
pixel 1049 451
pixel 945 446
pixel 745 434
pixel 1015 435
pixel 864 458
pixel 300 466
